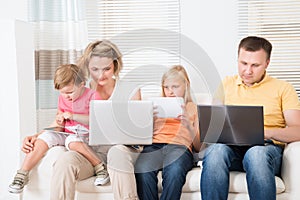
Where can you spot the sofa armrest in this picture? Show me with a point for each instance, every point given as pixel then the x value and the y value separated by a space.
pixel 40 176
pixel 290 169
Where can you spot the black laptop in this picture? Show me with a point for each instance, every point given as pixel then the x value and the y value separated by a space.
pixel 231 124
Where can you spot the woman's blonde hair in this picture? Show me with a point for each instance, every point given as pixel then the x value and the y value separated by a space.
pixel 68 74
pixel 103 48
pixel 175 72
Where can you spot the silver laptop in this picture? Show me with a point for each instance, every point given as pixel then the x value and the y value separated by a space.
pixel 232 125
pixel 116 122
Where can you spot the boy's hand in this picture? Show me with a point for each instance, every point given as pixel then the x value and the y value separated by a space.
pixel 28 144
pixel 67 116
pixel 60 119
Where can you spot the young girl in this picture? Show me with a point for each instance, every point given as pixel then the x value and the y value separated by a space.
pixel 72 113
pixel 174 140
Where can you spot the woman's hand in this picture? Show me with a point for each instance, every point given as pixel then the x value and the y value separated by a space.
pixel 28 143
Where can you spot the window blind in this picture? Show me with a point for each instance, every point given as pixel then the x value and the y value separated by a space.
pixel 59 37
pixel 279 22
pixel 143 30
pixel 147 33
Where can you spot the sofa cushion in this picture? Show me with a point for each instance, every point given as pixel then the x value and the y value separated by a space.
pixel 87 186
pixel 237 180
pixel 192 183
pixel 43 171
pixel 238 183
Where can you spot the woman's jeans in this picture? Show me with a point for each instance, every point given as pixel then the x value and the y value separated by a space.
pixel 261 164
pixel 174 160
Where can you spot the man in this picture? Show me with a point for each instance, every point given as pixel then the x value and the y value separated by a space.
pixel 252 86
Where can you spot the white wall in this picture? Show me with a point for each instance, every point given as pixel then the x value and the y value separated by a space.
pixel 14 9
pixel 212 25
pixel 17 98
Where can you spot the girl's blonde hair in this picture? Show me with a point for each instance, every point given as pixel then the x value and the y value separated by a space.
pixel 68 74
pixel 175 72
pixel 104 48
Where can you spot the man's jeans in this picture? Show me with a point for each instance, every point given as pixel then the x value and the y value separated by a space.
pixel 261 164
pixel 174 161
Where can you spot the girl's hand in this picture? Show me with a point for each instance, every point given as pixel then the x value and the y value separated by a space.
pixel 155 112
pixel 184 117
pixel 28 143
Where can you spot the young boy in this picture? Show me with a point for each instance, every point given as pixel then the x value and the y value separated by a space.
pixel 72 114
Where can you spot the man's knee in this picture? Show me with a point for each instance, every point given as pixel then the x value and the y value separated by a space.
pixel 255 157
pixel 216 152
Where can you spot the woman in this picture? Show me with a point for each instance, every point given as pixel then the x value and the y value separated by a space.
pixel 103 61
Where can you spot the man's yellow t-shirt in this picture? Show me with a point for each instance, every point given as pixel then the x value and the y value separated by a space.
pixel 276 96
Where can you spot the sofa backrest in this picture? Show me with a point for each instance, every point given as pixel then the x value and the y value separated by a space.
pixel 46 116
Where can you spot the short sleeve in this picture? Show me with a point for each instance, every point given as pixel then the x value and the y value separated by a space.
pixel 289 98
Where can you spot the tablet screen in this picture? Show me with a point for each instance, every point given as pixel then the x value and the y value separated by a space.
pixel 56 130
pixel 167 107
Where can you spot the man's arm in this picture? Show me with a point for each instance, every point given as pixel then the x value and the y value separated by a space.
pixel 292 131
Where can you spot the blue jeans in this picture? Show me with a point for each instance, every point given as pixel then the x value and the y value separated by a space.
pixel 174 160
pixel 261 164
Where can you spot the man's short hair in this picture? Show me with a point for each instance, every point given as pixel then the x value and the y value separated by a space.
pixel 254 43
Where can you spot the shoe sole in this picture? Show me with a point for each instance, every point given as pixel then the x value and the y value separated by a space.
pixel 15 191
pixel 103 182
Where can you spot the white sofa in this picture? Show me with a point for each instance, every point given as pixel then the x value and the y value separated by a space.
pixel 287 186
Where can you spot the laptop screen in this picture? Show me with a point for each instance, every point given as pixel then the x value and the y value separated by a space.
pixel 120 122
pixel 231 124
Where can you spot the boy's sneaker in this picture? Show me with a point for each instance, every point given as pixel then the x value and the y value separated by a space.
pixel 102 176
pixel 20 180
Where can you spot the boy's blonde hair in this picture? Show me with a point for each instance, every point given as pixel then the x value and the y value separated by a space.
pixel 68 74
pixel 178 72
pixel 104 48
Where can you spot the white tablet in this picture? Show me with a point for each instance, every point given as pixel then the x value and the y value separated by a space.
pixel 77 129
pixel 167 107
pixel 56 130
